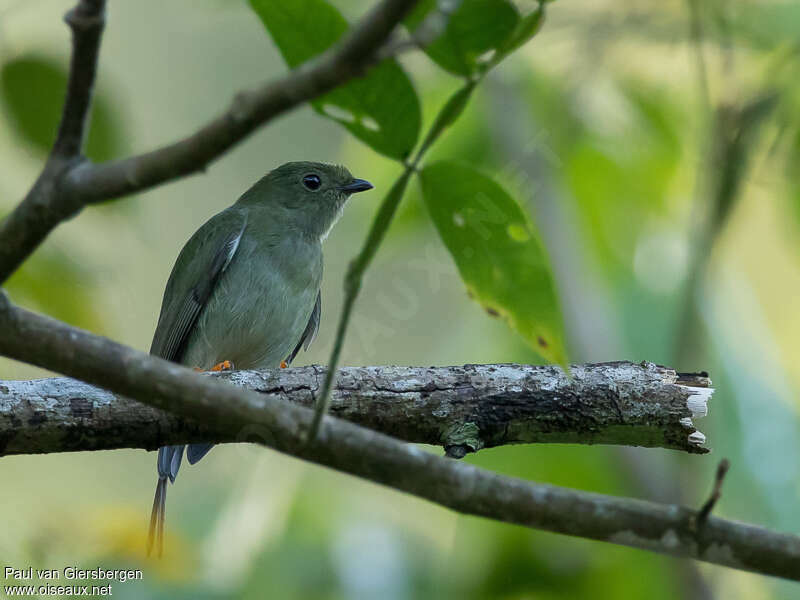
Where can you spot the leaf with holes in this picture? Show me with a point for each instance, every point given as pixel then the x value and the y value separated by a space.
pixel 32 89
pixel 497 251
pixel 381 108
pixel 474 33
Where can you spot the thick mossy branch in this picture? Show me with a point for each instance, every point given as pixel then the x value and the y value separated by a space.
pixel 462 409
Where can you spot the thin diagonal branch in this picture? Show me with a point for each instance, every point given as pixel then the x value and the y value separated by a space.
pixel 248 111
pixel 463 408
pixel 666 529
pixel 449 112
pixel 352 287
pixel 65 187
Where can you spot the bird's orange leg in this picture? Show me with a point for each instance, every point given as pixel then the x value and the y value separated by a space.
pixel 225 365
pixel 283 364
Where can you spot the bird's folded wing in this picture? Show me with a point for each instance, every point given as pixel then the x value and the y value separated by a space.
pixel 199 267
pixel 310 332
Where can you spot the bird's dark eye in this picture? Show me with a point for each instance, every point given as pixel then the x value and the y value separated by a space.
pixel 312 182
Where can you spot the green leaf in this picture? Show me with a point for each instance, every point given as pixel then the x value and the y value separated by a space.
pixel 32 89
pixel 473 35
pixel 497 251
pixel 381 108
pixel 527 27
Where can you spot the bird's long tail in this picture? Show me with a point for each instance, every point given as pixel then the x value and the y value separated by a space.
pixel 169 462
pixel 155 533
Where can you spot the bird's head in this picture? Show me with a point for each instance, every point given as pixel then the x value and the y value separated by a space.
pixel 309 195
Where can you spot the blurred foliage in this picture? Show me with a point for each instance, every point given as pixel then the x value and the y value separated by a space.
pixel 626 177
pixel 617 176
pixel 735 136
pixel 32 89
pixel 52 283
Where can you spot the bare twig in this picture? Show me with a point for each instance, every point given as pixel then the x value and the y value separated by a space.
pixel 371 455
pixel 46 204
pixel 86 21
pixel 65 187
pixel 716 494
pixel 463 409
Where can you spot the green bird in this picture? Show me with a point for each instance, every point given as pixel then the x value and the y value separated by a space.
pixel 245 290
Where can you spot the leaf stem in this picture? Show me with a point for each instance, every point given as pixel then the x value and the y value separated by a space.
pixel 447 115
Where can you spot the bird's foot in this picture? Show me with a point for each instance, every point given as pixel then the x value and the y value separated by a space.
pixel 225 365
pixel 284 364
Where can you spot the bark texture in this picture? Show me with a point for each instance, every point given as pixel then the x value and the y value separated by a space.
pixel 463 408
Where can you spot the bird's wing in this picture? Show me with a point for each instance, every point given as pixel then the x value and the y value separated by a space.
pixel 200 264
pixel 310 332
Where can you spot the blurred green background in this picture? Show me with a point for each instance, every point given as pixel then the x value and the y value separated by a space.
pixel 655 146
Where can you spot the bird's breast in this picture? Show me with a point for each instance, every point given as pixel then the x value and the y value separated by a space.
pixel 259 307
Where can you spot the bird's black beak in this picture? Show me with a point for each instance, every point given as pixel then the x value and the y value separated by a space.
pixel 357 185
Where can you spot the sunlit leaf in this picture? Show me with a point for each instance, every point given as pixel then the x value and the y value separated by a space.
pixel 381 108
pixel 32 89
pixel 497 251
pixel 473 35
